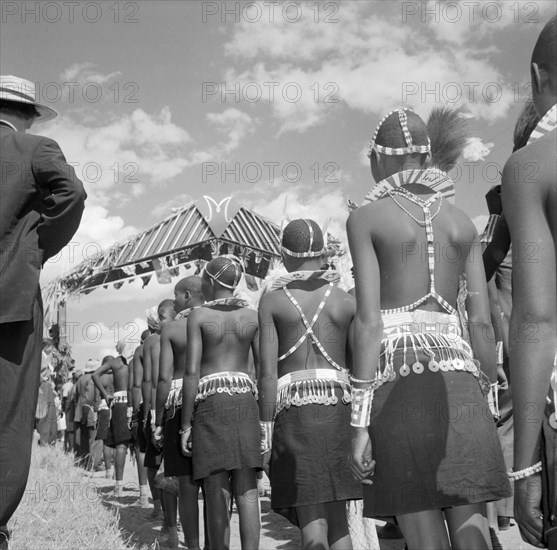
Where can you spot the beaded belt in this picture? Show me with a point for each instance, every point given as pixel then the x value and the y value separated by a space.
pixel 312 386
pixel 174 399
pixel 225 382
pixel 120 397
pixel 433 333
pixel 103 406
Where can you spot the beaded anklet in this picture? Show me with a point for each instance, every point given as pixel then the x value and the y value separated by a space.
pixel 526 472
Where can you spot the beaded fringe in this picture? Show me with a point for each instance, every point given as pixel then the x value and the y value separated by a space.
pixel 453 354
pixel 174 399
pixel 305 392
pixel 228 382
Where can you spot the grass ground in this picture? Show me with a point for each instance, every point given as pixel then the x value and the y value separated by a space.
pixel 65 508
pixel 62 509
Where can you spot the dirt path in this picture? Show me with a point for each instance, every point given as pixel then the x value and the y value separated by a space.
pixel 143 531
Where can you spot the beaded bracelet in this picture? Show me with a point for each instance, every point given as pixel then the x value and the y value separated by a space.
pixel 355 380
pixel 361 407
pixel 266 436
pixel 493 400
pixel 526 472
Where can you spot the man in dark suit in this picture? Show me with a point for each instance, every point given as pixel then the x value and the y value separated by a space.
pixel 41 203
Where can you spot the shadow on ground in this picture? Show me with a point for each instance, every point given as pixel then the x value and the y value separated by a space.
pixel 139 526
pixel 275 527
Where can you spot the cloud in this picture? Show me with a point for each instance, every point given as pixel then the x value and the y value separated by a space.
pixel 98 230
pixel 235 124
pixel 476 150
pixel 324 206
pixel 370 64
pixel 122 153
pixel 164 209
pixel 463 22
pixel 85 72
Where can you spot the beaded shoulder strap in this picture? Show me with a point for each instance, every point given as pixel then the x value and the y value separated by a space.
pixel 309 329
pixel 428 224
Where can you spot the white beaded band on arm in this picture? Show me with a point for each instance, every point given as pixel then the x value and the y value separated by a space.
pixel 266 436
pixel 361 407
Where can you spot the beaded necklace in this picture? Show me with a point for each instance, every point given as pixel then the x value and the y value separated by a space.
pixel 236 302
pixel 425 205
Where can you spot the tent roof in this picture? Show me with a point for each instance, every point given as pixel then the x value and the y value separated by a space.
pixel 194 231
pixel 200 221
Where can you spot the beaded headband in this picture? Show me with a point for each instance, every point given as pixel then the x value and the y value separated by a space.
pixel 233 261
pixel 410 147
pixel 309 253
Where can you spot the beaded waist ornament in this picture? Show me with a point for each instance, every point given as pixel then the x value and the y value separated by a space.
pixel 103 405
pixel 437 335
pixel 225 382
pixel 313 386
pixel 120 397
pixel 174 399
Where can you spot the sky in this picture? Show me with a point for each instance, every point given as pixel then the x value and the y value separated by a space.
pixel 274 103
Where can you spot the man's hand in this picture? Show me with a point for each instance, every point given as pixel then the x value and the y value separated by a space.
pixel 494 202
pixel 186 442
pixel 157 437
pixel 527 509
pixel 361 462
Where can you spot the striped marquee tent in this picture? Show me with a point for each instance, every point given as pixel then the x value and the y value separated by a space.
pixel 191 235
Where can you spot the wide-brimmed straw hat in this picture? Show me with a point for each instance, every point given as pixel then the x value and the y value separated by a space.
pixel 19 90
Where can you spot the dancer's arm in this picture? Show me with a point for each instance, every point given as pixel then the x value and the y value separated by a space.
pixel 368 330
pixel 482 336
pixel 137 378
pixel 533 325
pixel 268 352
pixel 194 354
pixel 166 369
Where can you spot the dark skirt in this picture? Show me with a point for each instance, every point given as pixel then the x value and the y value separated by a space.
pixel 103 425
pixel 119 433
pixel 175 463
pixel 153 455
pixel 309 461
pixel 435 444
pixel 225 434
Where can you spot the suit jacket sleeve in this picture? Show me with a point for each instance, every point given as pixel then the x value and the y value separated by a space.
pixel 63 197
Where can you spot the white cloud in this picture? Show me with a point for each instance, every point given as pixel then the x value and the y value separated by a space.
pixel 98 230
pixel 165 209
pixel 235 124
pixel 325 207
pixel 371 64
pixel 122 153
pixel 461 22
pixel 86 72
pixel 476 150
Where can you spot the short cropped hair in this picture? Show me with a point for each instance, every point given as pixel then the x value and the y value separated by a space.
pixel 296 236
pixel 230 270
pixel 390 133
pixel 189 284
pixel 166 304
